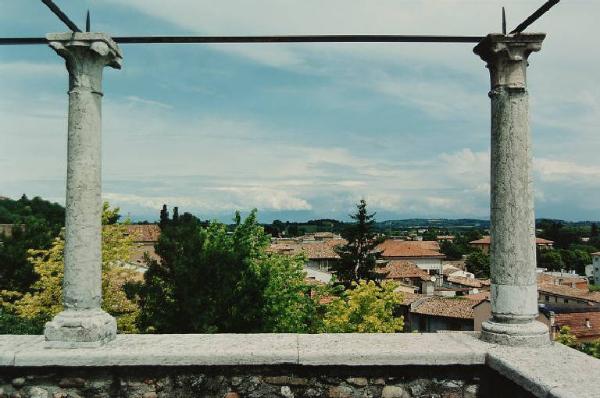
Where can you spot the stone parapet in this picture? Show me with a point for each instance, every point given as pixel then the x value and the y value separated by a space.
pixel 294 364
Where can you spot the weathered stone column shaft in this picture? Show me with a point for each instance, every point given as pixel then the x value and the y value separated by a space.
pixel 513 275
pixel 513 262
pixel 83 323
pixel 83 250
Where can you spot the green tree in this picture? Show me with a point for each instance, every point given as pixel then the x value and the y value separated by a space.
pixel 213 280
pixel 478 263
pixel 358 257
pixel 287 305
pixel 550 259
pixel 592 348
pixel 576 260
pixel 366 308
pixel 45 299
pixel 35 224
pixel 451 250
pixel 565 337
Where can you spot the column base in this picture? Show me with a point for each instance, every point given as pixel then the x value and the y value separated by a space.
pixel 530 334
pixel 80 329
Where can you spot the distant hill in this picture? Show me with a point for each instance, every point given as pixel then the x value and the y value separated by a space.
pixel 434 223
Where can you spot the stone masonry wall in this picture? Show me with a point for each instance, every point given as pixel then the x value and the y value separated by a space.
pixel 254 382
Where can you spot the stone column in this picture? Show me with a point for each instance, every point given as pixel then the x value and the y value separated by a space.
pixel 83 323
pixel 513 263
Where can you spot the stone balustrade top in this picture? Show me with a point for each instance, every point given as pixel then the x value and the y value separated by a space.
pixel 551 371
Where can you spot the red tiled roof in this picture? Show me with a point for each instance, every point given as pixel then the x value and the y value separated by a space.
pixel 481 296
pixel 400 269
pixel 577 322
pixel 487 239
pixel 447 307
pixel 317 250
pixel 409 298
pixel 570 292
pixel 461 280
pixel 564 279
pixel 144 233
pixel 401 248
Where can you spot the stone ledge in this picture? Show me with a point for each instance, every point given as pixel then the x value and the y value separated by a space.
pixel 553 371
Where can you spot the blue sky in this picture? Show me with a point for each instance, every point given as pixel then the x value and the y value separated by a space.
pixel 303 130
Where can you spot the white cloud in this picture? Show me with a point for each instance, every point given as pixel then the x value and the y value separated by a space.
pixel 567 171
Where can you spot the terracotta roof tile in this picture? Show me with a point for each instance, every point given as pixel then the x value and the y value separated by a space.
pixel 570 292
pixel 447 307
pixel 409 298
pixel 400 269
pixel 317 250
pixel 578 322
pixel 469 282
pixel 564 279
pixel 144 233
pixel 401 248
pixel 481 296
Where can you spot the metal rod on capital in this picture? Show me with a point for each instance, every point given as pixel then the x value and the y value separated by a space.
pixel 535 16
pixel 61 15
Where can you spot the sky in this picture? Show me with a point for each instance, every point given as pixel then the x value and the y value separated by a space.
pixel 302 131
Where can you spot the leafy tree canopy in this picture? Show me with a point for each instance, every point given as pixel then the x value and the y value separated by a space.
pixel 213 280
pixel 478 263
pixel 365 308
pixel 45 299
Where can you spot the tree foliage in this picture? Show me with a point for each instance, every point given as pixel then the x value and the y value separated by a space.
pixel 565 337
pixel 478 263
pixel 358 257
pixel 35 224
pixel 210 280
pixel 365 308
pixel 45 299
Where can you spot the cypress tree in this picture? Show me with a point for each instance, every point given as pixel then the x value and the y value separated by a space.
pixel 358 257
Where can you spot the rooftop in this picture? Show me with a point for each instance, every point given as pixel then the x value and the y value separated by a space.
pixel 400 269
pixel 450 307
pixel 144 232
pixel 569 292
pixel 469 282
pixel 402 248
pixel 315 250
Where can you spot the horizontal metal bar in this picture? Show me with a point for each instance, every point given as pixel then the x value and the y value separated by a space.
pixel 22 40
pixel 300 39
pixel 268 39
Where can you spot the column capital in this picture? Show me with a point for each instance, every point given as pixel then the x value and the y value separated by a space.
pixel 86 54
pixel 506 57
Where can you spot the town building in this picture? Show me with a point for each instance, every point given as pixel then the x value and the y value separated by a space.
pixel 144 236
pixel 425 254
pixel 484 244
pixel 430 314
pixel 407 274
pixel 6 230
pixel 320 254
pixel 565 296
pixel 583 321
pixel 595 274
pixel 563 278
